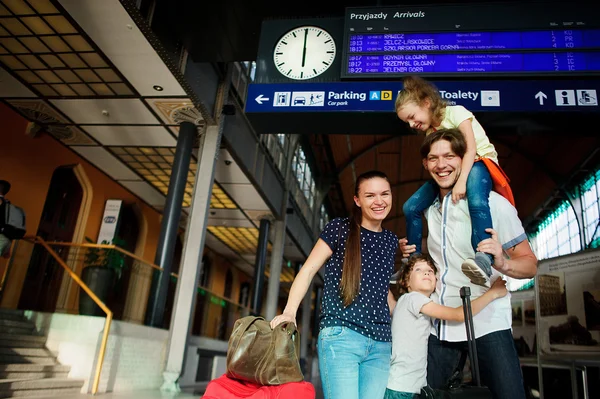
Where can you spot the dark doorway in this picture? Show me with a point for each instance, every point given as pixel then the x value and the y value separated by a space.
pixel 59 217
pixel 127 234
pixel 244 294
pixel 227 309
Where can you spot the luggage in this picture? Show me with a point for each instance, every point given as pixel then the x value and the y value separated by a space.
pixel 261 355
pixel 229 388
pixel 12 220
pixel 456 389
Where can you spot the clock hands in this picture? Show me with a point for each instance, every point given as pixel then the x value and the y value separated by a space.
pixel 304 49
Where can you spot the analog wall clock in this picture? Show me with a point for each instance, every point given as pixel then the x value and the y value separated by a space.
pixel 304 53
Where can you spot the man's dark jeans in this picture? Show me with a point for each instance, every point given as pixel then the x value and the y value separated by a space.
pixel 499 365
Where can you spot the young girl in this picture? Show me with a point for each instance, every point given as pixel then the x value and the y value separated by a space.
pixel 421 106
pixel 354 341
pixel 411 324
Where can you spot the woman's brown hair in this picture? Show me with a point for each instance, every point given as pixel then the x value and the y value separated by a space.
pixel 417 90
pixel 407 270
pixel 350 284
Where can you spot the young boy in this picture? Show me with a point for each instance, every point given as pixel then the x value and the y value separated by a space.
pixel 411 324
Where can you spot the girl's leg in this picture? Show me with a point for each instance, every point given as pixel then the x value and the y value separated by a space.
pixel 374 370
pixel 413 210
pixel 479 186
pixel 340 352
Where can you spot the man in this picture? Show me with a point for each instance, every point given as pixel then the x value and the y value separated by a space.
pixel 449 244
pixel 4 241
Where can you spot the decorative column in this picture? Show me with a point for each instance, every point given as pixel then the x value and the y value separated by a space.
pixel 170 224
pixel 259 266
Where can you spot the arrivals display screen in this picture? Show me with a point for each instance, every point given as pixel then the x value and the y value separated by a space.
pixel 470 40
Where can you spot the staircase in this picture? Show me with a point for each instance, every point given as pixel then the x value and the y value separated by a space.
pixel 27 368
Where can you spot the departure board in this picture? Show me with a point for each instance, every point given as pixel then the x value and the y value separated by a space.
pixel 470 40
pixel 566 39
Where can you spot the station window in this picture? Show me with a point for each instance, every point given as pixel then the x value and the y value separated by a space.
pixel 304 176
pixel 558 234
pixel 590 193
pixel 277 146
pixel 323 217
pixel 250 67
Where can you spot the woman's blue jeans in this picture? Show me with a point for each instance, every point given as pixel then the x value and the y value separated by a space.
pixel 479 186
pixel 352 366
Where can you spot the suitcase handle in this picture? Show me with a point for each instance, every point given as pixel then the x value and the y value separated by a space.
pixel 465 294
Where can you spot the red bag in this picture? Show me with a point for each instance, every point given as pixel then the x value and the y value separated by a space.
pixel 499 180
pixel 228 388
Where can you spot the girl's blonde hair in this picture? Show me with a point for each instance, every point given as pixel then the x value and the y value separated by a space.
pixel 407 270
pixel 417 90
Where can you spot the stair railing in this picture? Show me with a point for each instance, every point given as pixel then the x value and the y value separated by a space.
pixel 101 305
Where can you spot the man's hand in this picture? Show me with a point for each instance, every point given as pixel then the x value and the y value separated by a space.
pixel 405 248
pixel 459 191
pixel 493 247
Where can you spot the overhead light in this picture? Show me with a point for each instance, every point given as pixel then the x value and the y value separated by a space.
pixel 158 88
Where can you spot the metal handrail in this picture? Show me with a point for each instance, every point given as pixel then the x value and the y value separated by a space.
pixel 109 314
pixel 217 295
pixel 105 246
pixel 134 256
pixel 101 305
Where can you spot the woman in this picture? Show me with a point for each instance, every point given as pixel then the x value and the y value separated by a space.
pixel 355 336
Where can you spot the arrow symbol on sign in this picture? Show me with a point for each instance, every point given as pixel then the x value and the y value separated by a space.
pixel 260 99
pixel 541 96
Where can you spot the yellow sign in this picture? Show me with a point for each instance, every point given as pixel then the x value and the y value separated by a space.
pixel 386 94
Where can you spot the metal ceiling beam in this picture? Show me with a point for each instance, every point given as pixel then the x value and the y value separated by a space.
pixel 560 191
pixel 538 162
pixel 364 152
pixel 332 166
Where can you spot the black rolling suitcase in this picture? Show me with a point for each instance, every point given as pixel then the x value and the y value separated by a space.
pixel 456 389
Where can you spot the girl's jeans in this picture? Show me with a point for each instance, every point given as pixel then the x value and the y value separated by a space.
pixel 352 366
pixel 479 186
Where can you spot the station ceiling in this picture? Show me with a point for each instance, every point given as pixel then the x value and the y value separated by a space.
pixel 541 154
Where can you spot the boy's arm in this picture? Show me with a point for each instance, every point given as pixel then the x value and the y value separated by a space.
pixel 442 312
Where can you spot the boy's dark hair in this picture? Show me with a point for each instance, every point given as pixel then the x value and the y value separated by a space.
pixel 4 187
pixel 405 273
pixel 453 136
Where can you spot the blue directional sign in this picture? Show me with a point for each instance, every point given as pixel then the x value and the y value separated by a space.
pixel 491 95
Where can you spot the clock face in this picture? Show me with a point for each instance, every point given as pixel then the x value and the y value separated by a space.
pixel 304 53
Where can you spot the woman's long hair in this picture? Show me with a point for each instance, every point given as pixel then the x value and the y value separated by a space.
pixel 350 284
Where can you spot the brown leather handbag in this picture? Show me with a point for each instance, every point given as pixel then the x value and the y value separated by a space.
pixel 260 355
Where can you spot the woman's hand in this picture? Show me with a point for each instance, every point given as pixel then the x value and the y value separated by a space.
pixel 405 248
pixel 283 318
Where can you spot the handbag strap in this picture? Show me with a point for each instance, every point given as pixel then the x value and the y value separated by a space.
pixel 244 326
pixel 292 331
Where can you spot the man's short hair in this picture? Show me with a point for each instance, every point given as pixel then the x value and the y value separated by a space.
pixel 453 136
pixel 4 187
